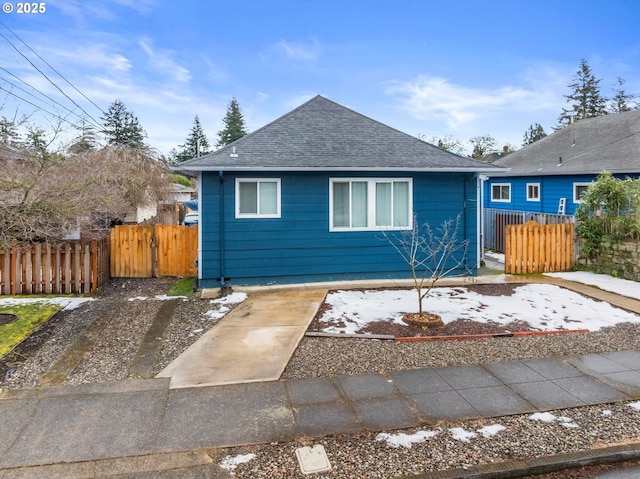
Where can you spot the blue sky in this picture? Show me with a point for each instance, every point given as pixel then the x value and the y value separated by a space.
pixel 434 68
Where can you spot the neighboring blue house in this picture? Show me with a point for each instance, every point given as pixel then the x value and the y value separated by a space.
pixel 560 167
pixel 307 197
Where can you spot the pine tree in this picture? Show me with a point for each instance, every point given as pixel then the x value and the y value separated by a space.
pixel 621 100
pixel 196 144
pixel 85 141
pixel 585 100
pixel 533 134
pixel 122 128
pixel 9 134
pixel 234 125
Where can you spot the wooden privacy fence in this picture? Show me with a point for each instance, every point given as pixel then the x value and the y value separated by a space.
pixel 535 248
pixel 67 268
pixel 153 250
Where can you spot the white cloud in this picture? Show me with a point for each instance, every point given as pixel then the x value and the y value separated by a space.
pixel 162 61
pixel 297 99
pixel 432 97
pixel 297 51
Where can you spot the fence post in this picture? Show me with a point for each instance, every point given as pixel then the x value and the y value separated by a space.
pixel 13 271
pixel 154 252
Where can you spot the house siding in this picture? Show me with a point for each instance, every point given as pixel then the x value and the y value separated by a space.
pixel 552 188
pixel 299 247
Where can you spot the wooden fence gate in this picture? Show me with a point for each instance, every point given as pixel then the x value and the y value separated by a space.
pixel 154 250
pixel 534 248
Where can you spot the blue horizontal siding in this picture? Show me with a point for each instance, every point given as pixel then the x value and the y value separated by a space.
pixel 552 188
pixel 298 246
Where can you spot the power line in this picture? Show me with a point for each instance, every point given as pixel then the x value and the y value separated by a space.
pixel 42 73
pixel 38 107
pixel 36 97
pixel 49 65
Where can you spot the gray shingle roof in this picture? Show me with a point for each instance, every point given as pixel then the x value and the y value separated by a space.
pixel 321 134
pixel 610 142
pixel 8 152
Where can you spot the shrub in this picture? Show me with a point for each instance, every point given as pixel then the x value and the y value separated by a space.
pixel 609 212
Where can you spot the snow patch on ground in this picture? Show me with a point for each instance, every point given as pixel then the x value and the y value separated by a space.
pixel 548 417
pixel 231 462
pixel 64 302
pixel 158 297
pixel 461 434
pixel 406 440
pixel 635 405
pixel 233 298
pixel 545 307
pixel 491 430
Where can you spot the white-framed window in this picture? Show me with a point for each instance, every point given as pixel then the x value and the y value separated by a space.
pixel 533 191
pixel 579 189
pixel 257 197
pixel 360 204
pixel 501 192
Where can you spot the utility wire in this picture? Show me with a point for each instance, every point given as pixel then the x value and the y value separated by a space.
pixel 43 74
pixel 39 107
pixel 34 96
pixel 49 65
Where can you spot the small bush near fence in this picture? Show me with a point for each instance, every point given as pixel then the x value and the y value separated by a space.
pixel 609 213
pixel 66 268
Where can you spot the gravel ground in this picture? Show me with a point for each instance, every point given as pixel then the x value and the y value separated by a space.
pixel 112 346
pixel 112 327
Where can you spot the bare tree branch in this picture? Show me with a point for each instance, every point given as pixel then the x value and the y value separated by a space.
pixel 431 254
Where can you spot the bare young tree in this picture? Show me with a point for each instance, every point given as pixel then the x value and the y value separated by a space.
pixel 430 253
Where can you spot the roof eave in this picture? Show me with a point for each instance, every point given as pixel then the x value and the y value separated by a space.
pixel 345 168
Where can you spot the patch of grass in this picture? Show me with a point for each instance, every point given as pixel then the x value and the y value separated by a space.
pixel 30 317
pixel 182 287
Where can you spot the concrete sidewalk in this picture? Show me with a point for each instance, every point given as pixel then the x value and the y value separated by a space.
pixel 99 423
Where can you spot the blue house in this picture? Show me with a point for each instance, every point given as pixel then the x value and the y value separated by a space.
pixel 551 174
pixel 308 196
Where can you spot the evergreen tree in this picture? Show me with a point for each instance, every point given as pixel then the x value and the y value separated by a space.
pixel 9 134
pixel 234 125
pixel 196 144
pixel 585 100
pixel 533 134
pixel 122 128
pixel 621 99
pixel 85 141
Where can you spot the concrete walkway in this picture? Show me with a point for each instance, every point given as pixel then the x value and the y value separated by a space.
pixel 252 343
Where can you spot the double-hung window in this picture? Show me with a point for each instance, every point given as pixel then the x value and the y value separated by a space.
pixel 533 191
pixel 257 197
pixel 359 204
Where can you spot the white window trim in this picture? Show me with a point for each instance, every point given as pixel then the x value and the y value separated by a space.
pixel 277 214
pixel 529 198
pixel 371 205
pixel 499 200
pixel 579 183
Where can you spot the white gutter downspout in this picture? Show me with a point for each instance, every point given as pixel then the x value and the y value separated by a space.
pixel 481 180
